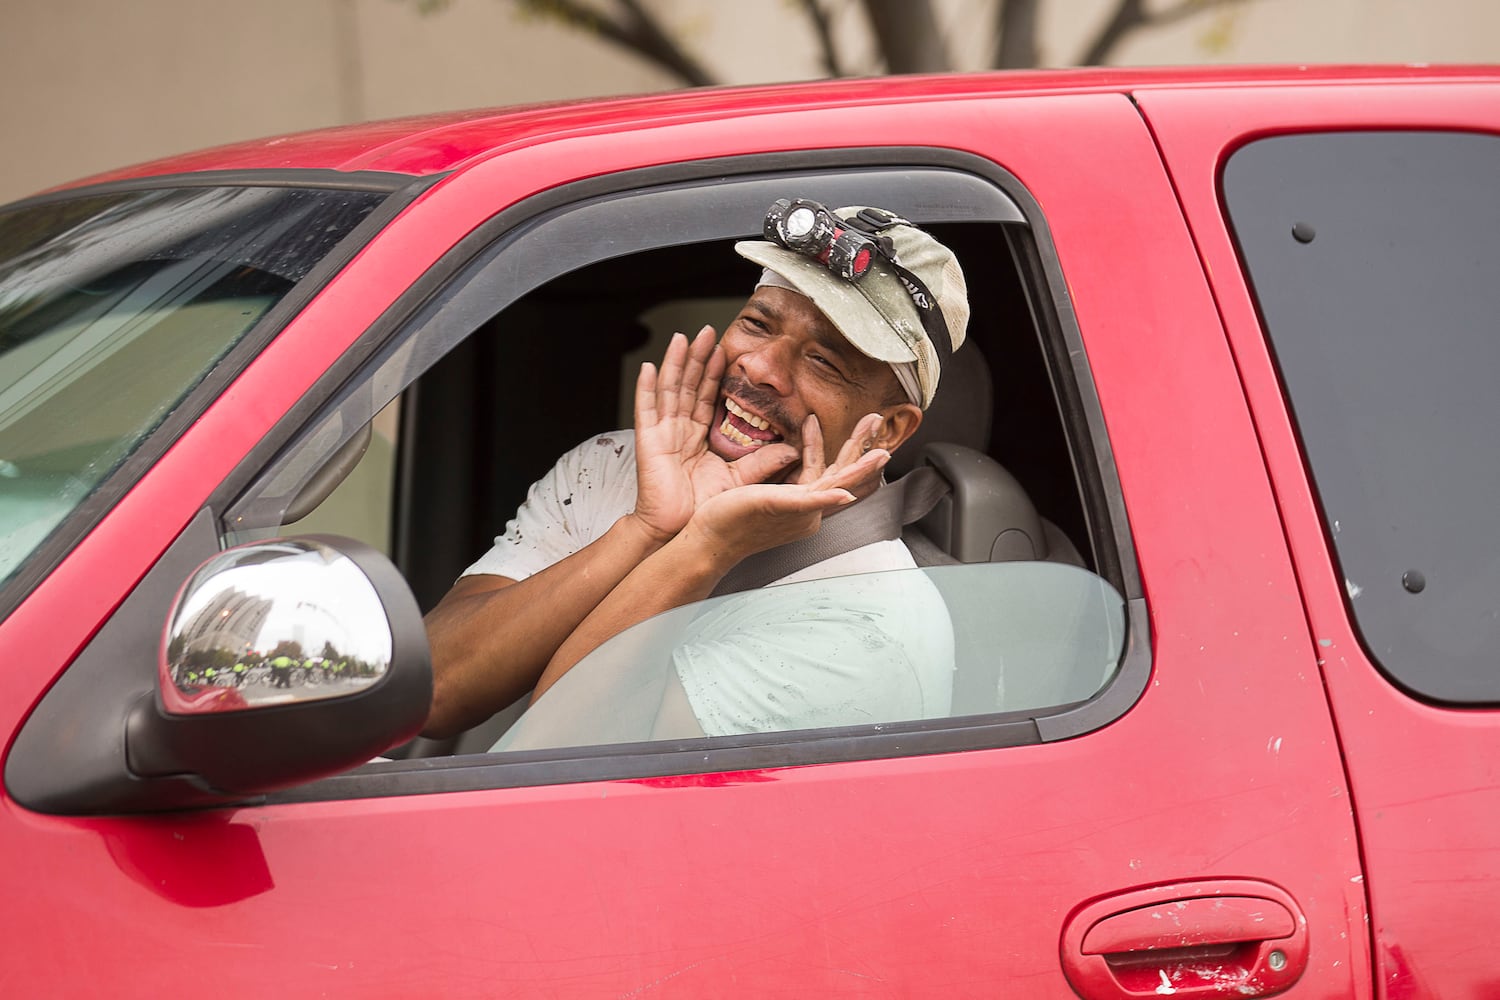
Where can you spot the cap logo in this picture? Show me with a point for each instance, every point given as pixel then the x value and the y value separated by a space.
pixel 918 294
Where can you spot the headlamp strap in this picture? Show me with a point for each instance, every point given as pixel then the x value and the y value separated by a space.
pixel 928 312
pixel 873 222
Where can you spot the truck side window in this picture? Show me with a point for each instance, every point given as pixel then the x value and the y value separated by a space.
pixel 1372 258
pixel 1029 620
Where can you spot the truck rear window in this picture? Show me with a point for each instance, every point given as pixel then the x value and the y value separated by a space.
pixel 1374 258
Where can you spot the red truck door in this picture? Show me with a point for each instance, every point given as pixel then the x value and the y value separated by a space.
pixel 1184 830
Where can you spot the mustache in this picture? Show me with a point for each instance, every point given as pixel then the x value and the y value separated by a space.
pixel 761 401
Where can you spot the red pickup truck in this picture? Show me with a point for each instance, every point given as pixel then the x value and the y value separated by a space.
pixel 1226 668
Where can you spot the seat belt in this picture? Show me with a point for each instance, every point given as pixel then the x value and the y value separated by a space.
pixel 878 517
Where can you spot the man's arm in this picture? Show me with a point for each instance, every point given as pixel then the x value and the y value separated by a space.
pixel 491 637
pixel 723 531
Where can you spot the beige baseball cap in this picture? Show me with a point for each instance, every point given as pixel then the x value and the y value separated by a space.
pixel 877 313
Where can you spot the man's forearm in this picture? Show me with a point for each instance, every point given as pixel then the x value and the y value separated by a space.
pixel 491 638
pixel 684 570
pixel 723 531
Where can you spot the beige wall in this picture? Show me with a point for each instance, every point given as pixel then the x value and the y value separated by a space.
pixel 86 85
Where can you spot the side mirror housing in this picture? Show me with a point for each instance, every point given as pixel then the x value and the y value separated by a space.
pixel 283 661
pixel 137 724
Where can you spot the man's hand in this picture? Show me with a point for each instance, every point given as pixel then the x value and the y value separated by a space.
pixel 674 407
pixel 727 526
pixel 739 522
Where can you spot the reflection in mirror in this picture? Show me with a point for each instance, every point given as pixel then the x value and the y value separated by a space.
pixel 273 623
pixel 944 641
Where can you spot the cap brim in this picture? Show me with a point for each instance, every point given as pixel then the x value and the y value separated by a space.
pixel 864 324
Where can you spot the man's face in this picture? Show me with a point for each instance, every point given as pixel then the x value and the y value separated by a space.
pixel 784 360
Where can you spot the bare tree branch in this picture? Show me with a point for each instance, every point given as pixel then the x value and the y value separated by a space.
pixel 906 31
pixel 634 29
pixel 1128 16
pixel 1132 15
pixel 1185 9
pixel 824 30
pixel 1015 34
pixel 662 48
pixel 908 34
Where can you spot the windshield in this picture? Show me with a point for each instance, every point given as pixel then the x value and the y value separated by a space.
pixel 114 307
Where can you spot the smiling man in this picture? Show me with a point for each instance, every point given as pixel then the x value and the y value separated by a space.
pixel 741 450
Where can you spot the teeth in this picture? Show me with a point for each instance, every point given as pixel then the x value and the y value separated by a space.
pixel 758 423
pixel 734 434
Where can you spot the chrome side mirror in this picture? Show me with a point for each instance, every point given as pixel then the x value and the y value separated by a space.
pixel 281 662
pixel 272 624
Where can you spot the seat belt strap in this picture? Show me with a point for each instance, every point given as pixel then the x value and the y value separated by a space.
pixel 876 518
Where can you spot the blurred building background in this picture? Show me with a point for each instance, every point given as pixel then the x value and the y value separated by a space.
pixel 93 84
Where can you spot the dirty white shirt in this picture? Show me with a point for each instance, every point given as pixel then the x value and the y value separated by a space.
pixel 841 649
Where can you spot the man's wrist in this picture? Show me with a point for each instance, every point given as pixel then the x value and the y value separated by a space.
pixel 711 553
pixel 647 538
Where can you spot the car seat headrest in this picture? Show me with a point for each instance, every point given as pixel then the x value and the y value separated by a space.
pixel 960 412
pixel 987 516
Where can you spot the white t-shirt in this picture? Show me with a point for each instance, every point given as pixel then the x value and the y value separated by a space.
pixel 845 650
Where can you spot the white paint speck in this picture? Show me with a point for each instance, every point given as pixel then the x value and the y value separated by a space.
pixel 1166 988
pixel 1354 589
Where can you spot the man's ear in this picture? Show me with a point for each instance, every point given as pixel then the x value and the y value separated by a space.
pixel 899 423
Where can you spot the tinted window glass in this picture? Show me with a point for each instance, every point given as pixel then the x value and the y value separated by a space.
pixel 934 643
pixel 1373 257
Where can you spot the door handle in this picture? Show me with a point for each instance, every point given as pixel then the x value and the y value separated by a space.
pixel 1224 937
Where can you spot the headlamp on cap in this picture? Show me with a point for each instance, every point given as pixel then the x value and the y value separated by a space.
pixel 810 229
pixel 848 247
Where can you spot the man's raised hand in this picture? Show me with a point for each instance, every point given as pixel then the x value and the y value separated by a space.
pixel 740 522
pixel 674 408
pixel 854 463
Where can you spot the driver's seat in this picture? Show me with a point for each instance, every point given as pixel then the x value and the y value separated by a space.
pixel 986 515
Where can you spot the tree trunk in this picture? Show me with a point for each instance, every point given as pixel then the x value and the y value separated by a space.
pixel 818 18
pixel 907 32
pixel 1015 34
pixel 629 25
